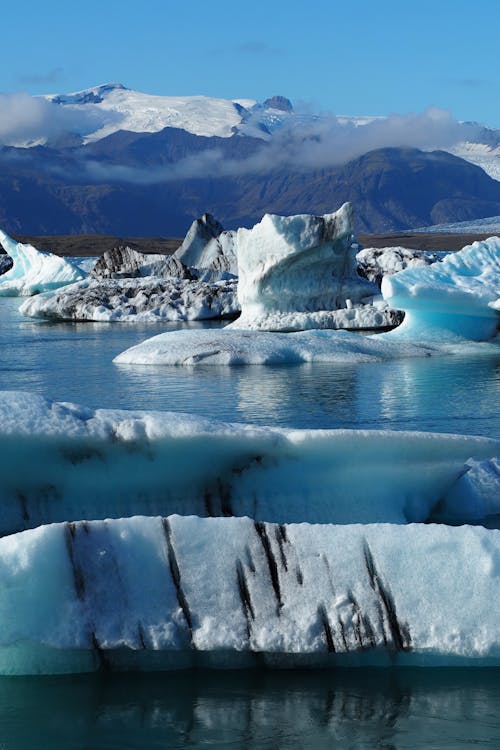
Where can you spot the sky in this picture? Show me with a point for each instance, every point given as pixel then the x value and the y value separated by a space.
pixel 357 57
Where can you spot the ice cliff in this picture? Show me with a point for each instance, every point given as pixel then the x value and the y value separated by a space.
pixel 33 270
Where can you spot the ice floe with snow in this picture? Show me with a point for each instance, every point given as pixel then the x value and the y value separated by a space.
pixel 33 270
pixel 153 593
pixel 105 463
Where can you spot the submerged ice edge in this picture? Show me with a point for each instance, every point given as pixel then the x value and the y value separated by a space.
pixel 154 593
pixel 105 463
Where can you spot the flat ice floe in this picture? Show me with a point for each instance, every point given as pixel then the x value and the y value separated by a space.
pixel 154 593
pixel 62 462
pixel 33 270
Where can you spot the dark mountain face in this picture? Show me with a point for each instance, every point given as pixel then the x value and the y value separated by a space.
pixel 136 184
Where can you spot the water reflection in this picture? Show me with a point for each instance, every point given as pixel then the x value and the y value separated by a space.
pixel 358 709
pixel 73 362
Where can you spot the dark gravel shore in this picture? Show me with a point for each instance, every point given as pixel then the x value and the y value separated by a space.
pixel 74 245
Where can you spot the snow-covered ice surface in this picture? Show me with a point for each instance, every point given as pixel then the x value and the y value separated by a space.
pixel 452 300
pixel 292 268
pixel 33 270
pixel 105 463
pixel 235 347
pixel 136 300
pixel 181 591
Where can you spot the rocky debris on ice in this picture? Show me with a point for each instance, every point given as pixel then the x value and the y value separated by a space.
pixel 33 271
pixel 124 262
pixel 136 300
pixel 299 272
pixel 453 300
pixel 6 263
pixel 375 262
pixel 209 250
pixel 168 592
pixel 86 463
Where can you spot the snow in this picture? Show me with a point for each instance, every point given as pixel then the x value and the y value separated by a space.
pixel 297 264
pixel 182 591
pixel 136 300
pixel 124 109
pixel 452 300
pixel 33 270
pixel 94 464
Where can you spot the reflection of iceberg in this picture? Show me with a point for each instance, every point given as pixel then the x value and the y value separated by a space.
pixel 94 464
pixel 33 270
pixel 159 592
pixel 256 709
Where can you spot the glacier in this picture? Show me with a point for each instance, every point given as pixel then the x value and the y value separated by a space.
pixel 172 592
pixel 33 270
pixel 94 464
pixel 209 250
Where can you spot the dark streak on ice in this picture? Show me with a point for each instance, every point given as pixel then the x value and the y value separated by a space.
pixel 281 538
pixel 326 628
pixel 69 536
pixel 176 576
pixel 246 602
pixel 260 528
pixel 399 632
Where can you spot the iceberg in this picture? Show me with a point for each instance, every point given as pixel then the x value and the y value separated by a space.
pixel 33 270
pixel 146 299
pixel 298 272
pixel 456 299
pixel 170 592
pixel 124 262
pixel 373 263
pixel 106 463
pixel 209 250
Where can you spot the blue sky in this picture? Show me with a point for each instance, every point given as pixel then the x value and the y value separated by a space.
pixel 357 57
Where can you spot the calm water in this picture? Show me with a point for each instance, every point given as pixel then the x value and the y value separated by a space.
pixel 392 710
pixel 73 362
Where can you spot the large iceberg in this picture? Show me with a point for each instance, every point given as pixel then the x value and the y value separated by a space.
pixel 154 593
pixel 299 272
pixel 104 463
pixel 33 270
pixel 458 298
